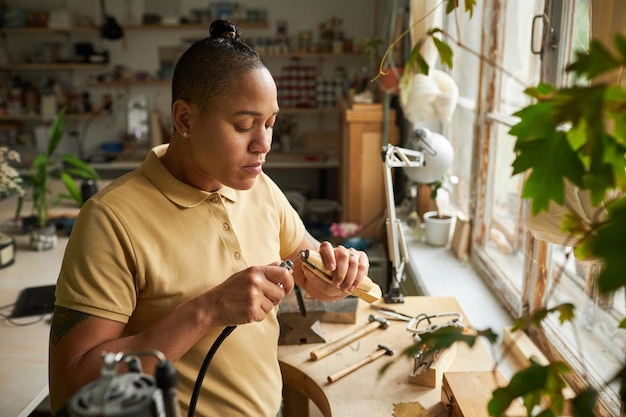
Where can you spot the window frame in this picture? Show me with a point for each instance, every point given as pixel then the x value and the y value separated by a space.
pixel 538 265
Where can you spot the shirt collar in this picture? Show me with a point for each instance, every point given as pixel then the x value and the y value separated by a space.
pixel 173 189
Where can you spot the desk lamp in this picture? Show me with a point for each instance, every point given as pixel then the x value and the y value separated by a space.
pixel 426 160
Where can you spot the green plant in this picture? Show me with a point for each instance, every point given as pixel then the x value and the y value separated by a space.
pixel 444 183
pixel 42 168
pixel 571 134
pixel 370 47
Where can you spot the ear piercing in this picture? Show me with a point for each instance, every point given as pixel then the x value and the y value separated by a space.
pixel 185 134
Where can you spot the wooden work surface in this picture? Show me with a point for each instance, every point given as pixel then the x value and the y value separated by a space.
pixel 24 349
pixel 365 392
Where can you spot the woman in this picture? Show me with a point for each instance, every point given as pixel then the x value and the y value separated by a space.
pixel 170 254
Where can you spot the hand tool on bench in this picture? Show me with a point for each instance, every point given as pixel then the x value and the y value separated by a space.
pixel 299 319
pixel 392 314
pixel 375 322
pixel 380 352
pixel 367 290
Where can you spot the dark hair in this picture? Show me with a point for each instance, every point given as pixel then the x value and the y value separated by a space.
pixel 210 66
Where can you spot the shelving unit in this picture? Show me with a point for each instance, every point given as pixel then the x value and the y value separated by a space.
pixel 324 119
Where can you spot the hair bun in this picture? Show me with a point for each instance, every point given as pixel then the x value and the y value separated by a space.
pixel 224 29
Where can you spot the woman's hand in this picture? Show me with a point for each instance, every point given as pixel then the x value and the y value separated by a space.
pixel 347 266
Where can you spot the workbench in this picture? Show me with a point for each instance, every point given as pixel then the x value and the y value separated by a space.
pixel 24 351
pixel 366 392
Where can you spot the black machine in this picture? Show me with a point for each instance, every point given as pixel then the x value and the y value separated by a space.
pixel 133 394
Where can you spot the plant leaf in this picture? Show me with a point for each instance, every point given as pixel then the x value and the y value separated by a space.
pixel 531 384
pixel 469 7
pixel 72 188
pixel 551 159
pixel 445 52
pixel 583 404
pixel 597 60
pixel 55 133
pixel 416 59
pixel 565 310
pixel 609 245
pixel 79 168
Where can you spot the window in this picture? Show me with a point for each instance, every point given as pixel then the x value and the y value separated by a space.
pixel 525 273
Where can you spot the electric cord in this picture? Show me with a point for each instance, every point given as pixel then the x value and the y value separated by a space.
pixel 12 320
pixel 205 365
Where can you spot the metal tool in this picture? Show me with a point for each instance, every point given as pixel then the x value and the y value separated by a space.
pixel 380 352
pixel 392 314
pixel 423 360
pixel 375 322
pixel 424 323
pixel 367 290
pixel 299 318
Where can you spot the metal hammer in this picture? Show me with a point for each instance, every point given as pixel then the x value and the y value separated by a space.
pixel 375 322
pixel 381 351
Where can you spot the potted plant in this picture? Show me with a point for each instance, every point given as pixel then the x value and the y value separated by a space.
pixel 437 224
pixel 43 233
pixel 389 73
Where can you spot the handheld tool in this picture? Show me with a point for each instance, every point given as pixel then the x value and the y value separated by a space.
pixel 380 352
pixel 299 317
pixel 367 290
pixel 375 322
pixel 392 314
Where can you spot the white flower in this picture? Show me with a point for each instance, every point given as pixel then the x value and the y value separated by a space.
pixel 10 179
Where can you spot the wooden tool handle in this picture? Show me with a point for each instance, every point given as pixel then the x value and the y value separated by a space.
pixel 371 358
pixel 367 290
pixel 334 346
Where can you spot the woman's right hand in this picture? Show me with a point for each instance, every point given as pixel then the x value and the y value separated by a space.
pixel 248 295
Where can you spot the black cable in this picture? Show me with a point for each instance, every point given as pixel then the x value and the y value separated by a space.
pixel 9 319
pixel 205 365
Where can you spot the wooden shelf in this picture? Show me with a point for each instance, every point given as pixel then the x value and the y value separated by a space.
pixel 52 67
pixel 308 110
pixel 46 30
pixel 37 117
pixel 134 27
pixel 305 55
pixel 191 26
pixel 129 83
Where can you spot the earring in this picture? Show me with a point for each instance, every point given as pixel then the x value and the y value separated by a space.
pixel 185 134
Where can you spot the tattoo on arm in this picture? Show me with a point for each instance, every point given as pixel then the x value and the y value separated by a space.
pixel 63 321
pixel 313 241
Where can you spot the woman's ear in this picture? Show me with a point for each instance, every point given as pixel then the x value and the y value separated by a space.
pixel 180 118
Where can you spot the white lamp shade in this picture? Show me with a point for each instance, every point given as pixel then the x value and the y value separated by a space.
pixel 438 156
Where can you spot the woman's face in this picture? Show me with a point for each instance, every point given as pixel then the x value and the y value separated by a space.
pixel 229 142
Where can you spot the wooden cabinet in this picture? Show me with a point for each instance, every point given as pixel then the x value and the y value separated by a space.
pixel 362 188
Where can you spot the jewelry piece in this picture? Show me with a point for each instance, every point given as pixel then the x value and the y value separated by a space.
pixel 354 255
pixel 281 285
pixel 185 134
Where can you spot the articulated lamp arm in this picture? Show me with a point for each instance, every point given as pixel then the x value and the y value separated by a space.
pixel 396 157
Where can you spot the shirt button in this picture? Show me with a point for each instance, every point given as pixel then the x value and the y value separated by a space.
pixel 225 226
pixel 215 199
pixel 237 256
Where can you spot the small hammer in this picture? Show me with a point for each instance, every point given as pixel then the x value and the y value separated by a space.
pixel 375 322
pixel 381 351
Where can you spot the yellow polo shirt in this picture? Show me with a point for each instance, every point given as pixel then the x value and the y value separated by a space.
pixel 149 242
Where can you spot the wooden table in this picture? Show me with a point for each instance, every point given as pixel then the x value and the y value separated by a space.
pixel 24 349
pixel 365 392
